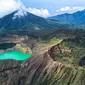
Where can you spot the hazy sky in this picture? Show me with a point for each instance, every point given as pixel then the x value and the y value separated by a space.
pixel 53 5
pixel 43 8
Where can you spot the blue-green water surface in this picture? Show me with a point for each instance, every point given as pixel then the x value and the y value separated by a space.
pixel 16 55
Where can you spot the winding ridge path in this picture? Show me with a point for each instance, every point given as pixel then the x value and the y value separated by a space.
pixel 41 48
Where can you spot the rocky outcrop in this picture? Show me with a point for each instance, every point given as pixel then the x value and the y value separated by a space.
pixel 23 48
pixel 7 69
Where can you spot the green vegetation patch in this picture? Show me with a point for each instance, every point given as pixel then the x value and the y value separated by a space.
pixel 72 52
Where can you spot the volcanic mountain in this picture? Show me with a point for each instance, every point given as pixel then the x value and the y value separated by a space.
pixel 21 21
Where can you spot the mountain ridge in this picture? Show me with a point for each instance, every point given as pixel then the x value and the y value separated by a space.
pixel 76 17
pixel 23 21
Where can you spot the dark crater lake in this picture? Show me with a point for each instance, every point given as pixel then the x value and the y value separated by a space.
pixel 5 46
pixel 14 54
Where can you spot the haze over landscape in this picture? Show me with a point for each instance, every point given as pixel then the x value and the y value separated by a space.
pixel 42 42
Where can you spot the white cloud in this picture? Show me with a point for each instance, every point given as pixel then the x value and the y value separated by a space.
pixel 39 12
pixel 68 9
pixel 8 6
pixel 64 9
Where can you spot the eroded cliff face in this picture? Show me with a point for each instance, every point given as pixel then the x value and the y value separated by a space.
pixel 7 69
pixel 40 69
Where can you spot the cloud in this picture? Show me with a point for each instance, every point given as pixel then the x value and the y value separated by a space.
pixel 8 6
pixel 64 9
pixel 39 12
pixel 68 9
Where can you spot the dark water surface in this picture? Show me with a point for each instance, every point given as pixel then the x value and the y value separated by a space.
pixel 5 46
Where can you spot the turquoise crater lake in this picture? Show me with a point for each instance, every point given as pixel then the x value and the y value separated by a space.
pixel 15 55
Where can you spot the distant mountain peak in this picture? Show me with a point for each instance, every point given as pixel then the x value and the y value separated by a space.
pixel 23 22
pixel 77 17
pixel 21 12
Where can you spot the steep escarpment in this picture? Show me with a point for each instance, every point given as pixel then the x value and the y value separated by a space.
pixel 42 69
pixel 36 70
